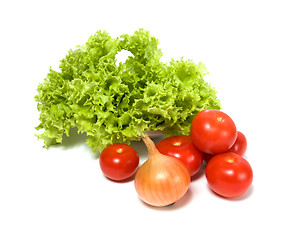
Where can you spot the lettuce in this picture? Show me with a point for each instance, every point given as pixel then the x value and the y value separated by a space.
pixel 113 102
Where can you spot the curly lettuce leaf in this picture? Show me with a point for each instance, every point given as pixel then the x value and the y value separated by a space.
pixel 113 103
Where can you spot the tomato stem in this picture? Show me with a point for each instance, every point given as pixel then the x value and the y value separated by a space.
pixel 219 119
pixel 177 144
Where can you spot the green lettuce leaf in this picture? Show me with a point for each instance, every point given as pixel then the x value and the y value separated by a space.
pixel 116 103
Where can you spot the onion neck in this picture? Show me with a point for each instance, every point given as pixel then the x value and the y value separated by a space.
pixel 152 150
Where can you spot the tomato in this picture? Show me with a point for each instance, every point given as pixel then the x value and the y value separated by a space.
pixel 213 131
pixel 181 147
pixel 207 157
pixel 240 144
pixel 119 161
pixel 229 174
pixel 239 147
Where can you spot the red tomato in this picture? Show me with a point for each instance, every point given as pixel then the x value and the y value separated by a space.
pixel 207 157
pixel 213 131
pixel 240 144
pixel 119 161
pixel 229 175
pixel 239 147
pixel 181 147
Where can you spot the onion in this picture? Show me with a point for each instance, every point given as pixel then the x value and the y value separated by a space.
pixel 161 180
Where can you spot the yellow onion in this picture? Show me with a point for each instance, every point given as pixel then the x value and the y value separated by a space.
pixel 161 180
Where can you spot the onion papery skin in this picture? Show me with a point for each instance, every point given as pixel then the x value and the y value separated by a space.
pixel 161 180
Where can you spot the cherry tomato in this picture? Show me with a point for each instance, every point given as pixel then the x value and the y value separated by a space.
pixel 229 174
pixel 181 147
pixel 119 161
pixel 207 157
pixel 240 144
pixel 239 147
pixel 213 131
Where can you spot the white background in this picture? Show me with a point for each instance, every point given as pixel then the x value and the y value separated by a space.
pixel 61 193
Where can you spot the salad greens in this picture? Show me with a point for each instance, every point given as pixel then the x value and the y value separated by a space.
pixel 116 102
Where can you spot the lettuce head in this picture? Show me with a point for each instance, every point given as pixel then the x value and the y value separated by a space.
pixel 113 102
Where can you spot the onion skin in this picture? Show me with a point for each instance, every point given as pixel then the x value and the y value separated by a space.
pixel 161 180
